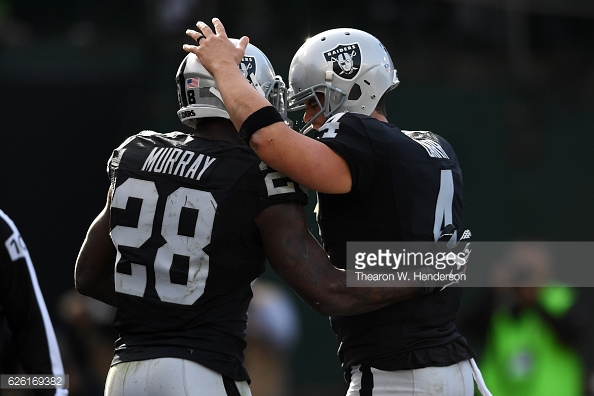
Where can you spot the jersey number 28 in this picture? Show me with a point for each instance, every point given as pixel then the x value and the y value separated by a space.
pixel 188 246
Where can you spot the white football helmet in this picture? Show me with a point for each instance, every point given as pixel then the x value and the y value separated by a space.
pixel 350 67
pixel 199 96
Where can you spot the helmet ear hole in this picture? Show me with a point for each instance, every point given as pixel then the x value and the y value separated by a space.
pixel 355 92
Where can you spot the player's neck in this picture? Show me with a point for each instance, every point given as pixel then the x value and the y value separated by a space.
pixel 378 116
pixel 217 129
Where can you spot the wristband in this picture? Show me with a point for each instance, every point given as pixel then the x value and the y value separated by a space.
pixel 259 119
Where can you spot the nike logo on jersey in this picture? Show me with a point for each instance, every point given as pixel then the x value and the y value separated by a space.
pixel 177 162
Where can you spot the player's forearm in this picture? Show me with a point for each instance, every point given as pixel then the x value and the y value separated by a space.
pixel 305 160
pixel 357 300
pixel 240 98
pixel 324 288
pixel 299 260
pixel 277 145
pixel 330 296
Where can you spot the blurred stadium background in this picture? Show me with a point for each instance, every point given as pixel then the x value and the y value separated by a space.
pixel 510 83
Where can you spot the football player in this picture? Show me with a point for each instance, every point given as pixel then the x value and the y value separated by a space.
pixel 191 218
pixel 375 182
pixel 23 307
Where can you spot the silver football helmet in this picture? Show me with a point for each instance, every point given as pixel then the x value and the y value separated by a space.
pixel 199 96
pixel 350 67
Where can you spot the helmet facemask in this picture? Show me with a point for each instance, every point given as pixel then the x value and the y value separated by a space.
pixel 335 95
pixel 276 93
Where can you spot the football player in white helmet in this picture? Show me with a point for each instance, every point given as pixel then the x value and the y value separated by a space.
pixel 333 66
pixel 199 97
pixel 188 223
pixel 375 182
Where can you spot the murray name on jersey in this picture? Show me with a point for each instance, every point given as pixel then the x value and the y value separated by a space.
pixel 177 162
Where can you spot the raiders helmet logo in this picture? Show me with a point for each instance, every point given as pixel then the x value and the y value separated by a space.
pixel 346 60
pixel 248 67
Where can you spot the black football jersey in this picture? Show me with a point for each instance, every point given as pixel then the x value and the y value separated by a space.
pixel 32 338
pixel 407 185
pixel 182 220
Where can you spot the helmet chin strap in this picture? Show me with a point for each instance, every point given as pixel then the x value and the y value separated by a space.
pixel 332 95
pixel 328 79
pixel 305 130
pixel 329 73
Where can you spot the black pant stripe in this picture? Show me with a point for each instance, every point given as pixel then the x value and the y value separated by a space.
pixel 366 381
pixel 230 387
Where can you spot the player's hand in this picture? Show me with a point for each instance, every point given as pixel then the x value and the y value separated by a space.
pixel 214 49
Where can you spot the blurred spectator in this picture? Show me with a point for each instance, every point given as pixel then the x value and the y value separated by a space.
pixel 273 330
pixel 88 342
pixel 532 334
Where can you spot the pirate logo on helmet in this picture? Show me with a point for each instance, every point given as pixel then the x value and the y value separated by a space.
pixel 248 67
pixel 346 60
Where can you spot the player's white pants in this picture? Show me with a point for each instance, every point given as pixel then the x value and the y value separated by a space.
pixel 454 380
pixel 169 376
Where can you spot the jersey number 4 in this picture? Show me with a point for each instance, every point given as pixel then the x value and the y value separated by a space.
pixel 443 207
